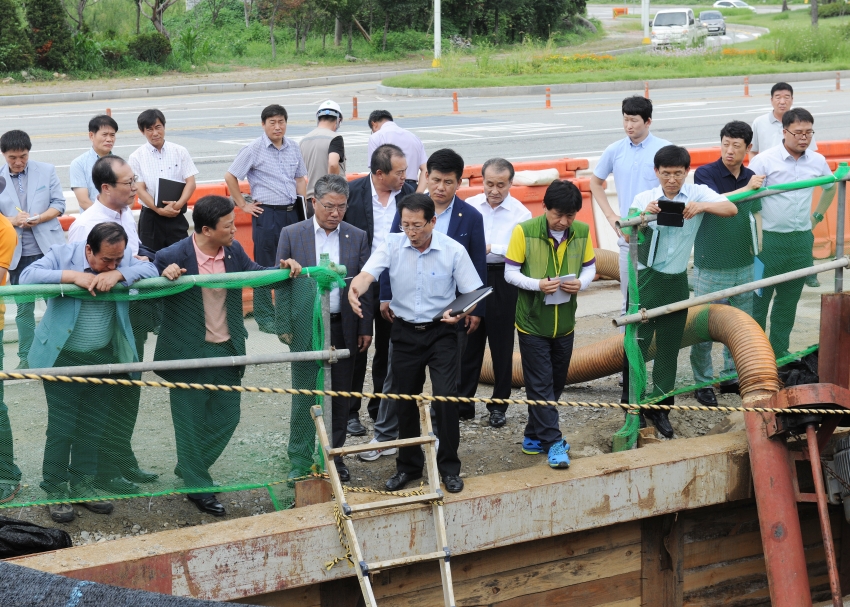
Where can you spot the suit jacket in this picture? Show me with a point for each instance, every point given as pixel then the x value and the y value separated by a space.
pixel 466 226
pixel 359 213
pixel 61 315
pixel 296 297
pixel 43 192
pixel 184 327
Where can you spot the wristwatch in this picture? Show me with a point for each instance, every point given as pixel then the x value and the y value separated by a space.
pixel 818 216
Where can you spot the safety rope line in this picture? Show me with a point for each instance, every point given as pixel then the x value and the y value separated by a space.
pixel 411 397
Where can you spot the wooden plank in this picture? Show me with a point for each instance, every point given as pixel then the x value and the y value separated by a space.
pixel 312 491
pixel 307 596
pixel 498 560
pixel 617 590
pixel 340 593
pixel 662 573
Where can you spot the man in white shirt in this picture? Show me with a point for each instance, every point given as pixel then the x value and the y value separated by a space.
pixel 102 130
pixel 384 130
pixel 161 226
pixel 501 213
pixel 787 222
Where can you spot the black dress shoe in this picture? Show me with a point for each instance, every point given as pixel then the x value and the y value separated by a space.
pixel 209 504
pixel 344 474
pixel 454 484
pixel 660 421
pixel 137 475
pixel 705 396
pixel 497 419
pixel 355 428
pixel 400 479
pixel 729 386
pixel 116 486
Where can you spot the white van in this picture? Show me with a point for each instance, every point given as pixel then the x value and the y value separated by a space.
pixel 677 26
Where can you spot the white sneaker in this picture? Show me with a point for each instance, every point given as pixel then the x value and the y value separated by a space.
pixel 371 456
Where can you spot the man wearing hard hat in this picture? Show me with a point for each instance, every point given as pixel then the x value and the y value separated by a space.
pixel 323 150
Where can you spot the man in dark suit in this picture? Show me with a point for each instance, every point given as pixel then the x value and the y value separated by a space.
pixel 371 207
pixel 205 323
pixel 304 242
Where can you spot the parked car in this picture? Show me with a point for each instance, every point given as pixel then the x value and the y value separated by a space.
pixel 677 26
pixel 713 22
pixel 732 4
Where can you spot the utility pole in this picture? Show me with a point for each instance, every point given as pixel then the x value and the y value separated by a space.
pixel 438 34
pixel 644 19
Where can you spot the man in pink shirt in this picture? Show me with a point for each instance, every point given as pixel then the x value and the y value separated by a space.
pixel 205 323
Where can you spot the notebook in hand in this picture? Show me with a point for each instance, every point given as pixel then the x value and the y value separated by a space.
pixel 671 213
pixel 169 190
pixel 465 302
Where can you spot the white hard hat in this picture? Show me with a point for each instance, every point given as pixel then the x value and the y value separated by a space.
pixel 329 108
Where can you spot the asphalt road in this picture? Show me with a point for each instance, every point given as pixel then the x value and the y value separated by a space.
pixel 214 127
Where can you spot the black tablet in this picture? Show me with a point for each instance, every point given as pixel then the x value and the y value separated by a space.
pixel 465 302
pixel 671 213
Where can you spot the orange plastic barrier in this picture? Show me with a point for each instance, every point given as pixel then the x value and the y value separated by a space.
pixel 567 168
pixel 618 12
pixel 66 220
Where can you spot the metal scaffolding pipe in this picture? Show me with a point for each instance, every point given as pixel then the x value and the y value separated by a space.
pixel 190 363
pixel 730 292
pixel 839 234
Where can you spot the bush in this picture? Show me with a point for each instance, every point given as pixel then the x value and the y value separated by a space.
pixel 113 51
pixel 193 48
pixel 836 9
pixel 782 16
pixel 401 42
pixel 87 54
pixel 150 48
pixel 15 50
pixel 49 35
pixel 804 45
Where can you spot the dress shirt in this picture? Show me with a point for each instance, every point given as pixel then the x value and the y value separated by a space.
pixel 789 211
pixel 410 144
pixel 444 219
pixel 499 223
pixel 633 167
pixel 100 213
pixel 767 132
pixel 172 162
pixel 425 283
pixel 80 170
pixel 328 243
pixel 670 248
pixel 215 300
pixel 382 216
pixel 271 172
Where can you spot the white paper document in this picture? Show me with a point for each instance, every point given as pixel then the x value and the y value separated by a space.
pixel 560 296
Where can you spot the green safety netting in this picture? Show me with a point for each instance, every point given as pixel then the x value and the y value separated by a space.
pixel 67 441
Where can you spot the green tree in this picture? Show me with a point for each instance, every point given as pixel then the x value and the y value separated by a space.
pixel 49 33
pixel 15 50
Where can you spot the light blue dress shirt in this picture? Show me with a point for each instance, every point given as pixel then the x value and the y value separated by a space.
pixel 633 167
pixel 80 170
pixel 270 171
pixel 445 218
pixel 423 284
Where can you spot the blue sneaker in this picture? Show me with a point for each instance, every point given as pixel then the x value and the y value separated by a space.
pixel 531 447
pixel 559 455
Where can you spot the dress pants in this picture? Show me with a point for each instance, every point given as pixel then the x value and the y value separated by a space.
pixel 497 328
pixel 25 316
pixel 434 347
pixel 380 361
pixel 545 363
pixel 265 230
pixel 9 472
pixel 204 421
pixel 157 232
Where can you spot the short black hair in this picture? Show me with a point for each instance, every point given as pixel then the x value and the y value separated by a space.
pixel 107 232
pixel 379 116
pixel 638 106
pixel 15 141
pixel 562 196
pixel 672 156
pixel 415 203
pixel 103 171
pixel 270 111
pixel 796 114
pixel 208 210
pixel 737 130
pixel 98 122
pixel 445 161
pixel 499 165
pixel 781 86
pixel 382 158
pixel 148 118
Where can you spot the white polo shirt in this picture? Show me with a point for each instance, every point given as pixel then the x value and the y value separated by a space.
pixel 100 213
pixel 499 223
pixel 767 132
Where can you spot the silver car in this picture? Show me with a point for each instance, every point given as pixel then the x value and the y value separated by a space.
pixel 713 21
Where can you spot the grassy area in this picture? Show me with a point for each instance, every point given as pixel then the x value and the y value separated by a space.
pixel 792 46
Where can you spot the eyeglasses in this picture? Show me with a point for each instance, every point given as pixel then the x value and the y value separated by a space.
pixel 330 208
pixel 801 134
pixel 677 175
pixel 134 180
pixel 410 229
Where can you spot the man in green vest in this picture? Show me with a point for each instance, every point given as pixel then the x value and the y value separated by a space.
pixel 550 259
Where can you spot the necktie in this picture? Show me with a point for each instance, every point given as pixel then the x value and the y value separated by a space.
pixel 20 177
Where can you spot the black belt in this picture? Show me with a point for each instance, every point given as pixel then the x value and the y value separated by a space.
pixel 420 326
pixel 496 265
pixel 336 316
pixel 285 207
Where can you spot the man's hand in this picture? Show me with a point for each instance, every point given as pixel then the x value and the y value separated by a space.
pixel 652 208
pixel 472 323
pixel 354 301
pixel 167 210
pixel 756 181
pixel 253 208
pixel 815 221
pixel 363 342
pixel 293 266
pixel 20 220
pixel 692 209
pixel 452 320
pixel 612 220
pixel 141 257
pixel 102 282
pixel 549 286
pixel 571 286
pixel 173 272
pixel 488 248
pixel 286 338
pixel 386 312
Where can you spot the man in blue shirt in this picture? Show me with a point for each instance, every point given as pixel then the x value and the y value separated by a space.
pixel 726 246
pixel 102 130
pixel 425 269
pixel 631 161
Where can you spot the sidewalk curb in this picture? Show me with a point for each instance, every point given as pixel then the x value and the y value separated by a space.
pixel 599 87
pixel 192 89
